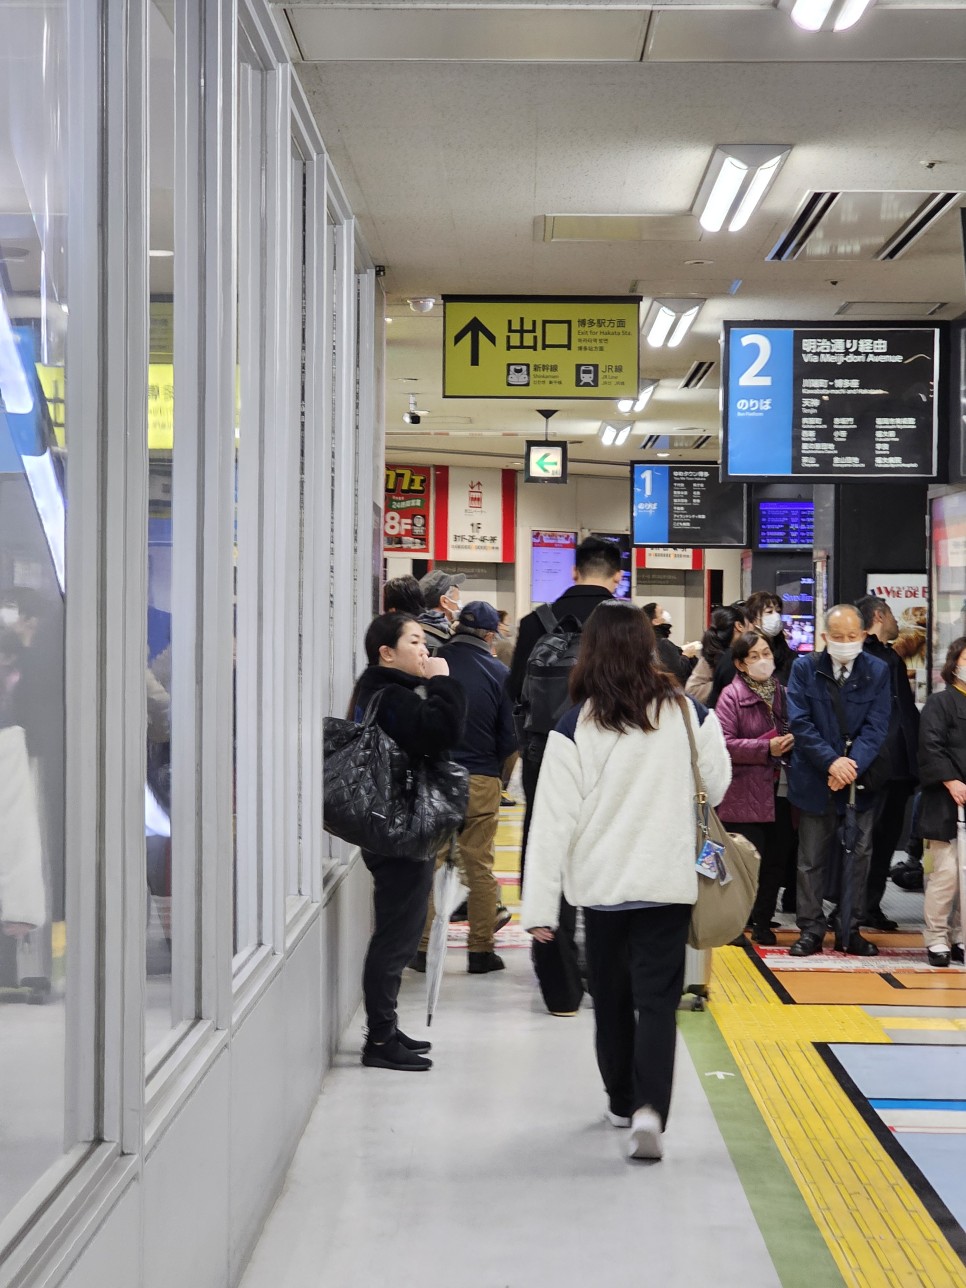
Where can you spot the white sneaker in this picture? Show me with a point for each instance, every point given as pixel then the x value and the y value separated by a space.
pixel 645 1140
pixel 616 1120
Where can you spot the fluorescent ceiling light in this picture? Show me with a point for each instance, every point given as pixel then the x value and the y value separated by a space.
pixel 636 405
pixel 737 178
pixel 161 254
pixel 623 435
pixel 668 321
pixel 608 434
pixel 826 15
pixel 614 433
pixel 624 405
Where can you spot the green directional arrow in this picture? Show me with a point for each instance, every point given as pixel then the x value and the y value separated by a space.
pixel 542 462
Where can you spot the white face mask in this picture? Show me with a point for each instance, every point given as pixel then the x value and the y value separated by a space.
pixel 9 615
pixel 771 623
pixel 666 618
pixel 960 674
pixel 762 668
pixel 843 654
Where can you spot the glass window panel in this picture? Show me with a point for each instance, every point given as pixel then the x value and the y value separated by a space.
pixel 296 875
pixel 34 139
pixel 158 841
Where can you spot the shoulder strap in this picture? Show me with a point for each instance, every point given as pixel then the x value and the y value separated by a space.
pixel 546 617
pixel 698 781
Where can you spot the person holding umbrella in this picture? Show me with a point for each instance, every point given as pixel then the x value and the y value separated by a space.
pixel 942 774
pixel 839 705
pixel 614 831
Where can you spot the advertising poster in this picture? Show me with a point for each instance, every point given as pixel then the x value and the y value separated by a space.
pixel 827 402
pixel 796 589
pixel 475 510
pixel 908 596
pixel 405 523
pixel 551 565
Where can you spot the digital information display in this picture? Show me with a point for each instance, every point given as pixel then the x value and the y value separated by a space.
pixel 685 505
pixel 786 525
pixel 827 402
pixel 551 565
pixel 797 593
pixel 623 541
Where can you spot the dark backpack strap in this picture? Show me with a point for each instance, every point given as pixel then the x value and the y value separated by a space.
pixel 547 618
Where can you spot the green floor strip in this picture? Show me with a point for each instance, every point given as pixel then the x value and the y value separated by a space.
pixel 800 1254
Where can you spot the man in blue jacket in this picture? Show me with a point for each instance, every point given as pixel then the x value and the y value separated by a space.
pixel 824 766
pixel 488 740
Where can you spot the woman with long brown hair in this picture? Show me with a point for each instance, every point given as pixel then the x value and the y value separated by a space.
pixel 614 832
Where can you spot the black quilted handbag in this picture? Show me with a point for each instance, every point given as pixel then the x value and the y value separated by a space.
pixel 376 797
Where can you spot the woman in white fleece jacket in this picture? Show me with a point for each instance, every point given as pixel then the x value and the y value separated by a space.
pixel 614 831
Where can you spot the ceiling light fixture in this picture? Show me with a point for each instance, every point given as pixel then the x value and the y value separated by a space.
pixel 737 178
pixel 625 405
pixel 161 254
pixel 422 303
pixel 614 433
pixel 668 321
pixel 826 15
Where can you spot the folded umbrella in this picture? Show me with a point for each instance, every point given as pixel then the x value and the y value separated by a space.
pixel 849 836
pixel 448 892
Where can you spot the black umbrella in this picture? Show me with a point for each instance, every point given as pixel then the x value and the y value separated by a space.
pixel 848 838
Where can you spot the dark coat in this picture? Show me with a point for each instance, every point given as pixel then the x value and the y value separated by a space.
pixel 903 736
pixel 749 725
pixel 489 736
pixel 818 739
pixel 671 656
pixel 784 656
pixel 577 601
pixel 942 757
pixel 430 726
pixel 724 672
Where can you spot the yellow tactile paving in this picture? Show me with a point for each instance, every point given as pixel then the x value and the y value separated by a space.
pixel 737 979
pixel 876 1227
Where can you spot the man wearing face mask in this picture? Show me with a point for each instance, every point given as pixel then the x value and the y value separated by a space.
pixel 826 764
pixel 441 591
pixel 902 744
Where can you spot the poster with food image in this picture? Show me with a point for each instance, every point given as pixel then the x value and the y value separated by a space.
pixel 907 595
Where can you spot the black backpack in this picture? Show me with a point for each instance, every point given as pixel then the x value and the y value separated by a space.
pixel 546 686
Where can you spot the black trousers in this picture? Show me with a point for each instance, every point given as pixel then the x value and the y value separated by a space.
pixel 555 964
pixel 774 842
pixel 890 817
pixel 635 961
pixel 401 893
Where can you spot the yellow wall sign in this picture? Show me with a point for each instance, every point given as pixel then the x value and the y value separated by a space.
pixel 517 346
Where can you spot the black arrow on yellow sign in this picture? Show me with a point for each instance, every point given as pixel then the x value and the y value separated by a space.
pixel 474 329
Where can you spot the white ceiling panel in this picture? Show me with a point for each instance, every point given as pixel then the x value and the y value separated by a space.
pixel 335 34
pixel 883 35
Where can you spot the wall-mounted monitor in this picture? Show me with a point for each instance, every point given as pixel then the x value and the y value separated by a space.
pixel 551 564
pixel 785 525
pixel 796 590
pixel 623 542
pixel 817 400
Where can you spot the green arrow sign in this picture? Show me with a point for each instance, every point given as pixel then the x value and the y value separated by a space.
pixel 545 462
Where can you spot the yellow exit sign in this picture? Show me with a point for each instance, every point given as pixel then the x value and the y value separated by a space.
pixel 521 346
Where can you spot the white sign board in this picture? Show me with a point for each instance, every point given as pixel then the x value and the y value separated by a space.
pixel 475 515
pixel 668 556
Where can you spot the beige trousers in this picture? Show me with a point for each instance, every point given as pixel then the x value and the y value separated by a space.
pixel 941 911
pixel 475 858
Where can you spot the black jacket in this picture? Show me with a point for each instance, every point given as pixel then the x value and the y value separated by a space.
pixel 724 672
pixel 430 726
pixel 489 737
pixel 903 737
pixel 577 601
pixel 671 657
pixel 942 757
pixel 784 656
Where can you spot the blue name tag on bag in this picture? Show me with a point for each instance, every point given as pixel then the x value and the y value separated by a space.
pixel 710 863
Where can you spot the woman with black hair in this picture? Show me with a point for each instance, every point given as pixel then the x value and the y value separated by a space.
pixel 726 625
pixel 399 674
pixel 614 831
pixel 764 611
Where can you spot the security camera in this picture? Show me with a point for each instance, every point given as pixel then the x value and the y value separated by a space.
pixel 411 418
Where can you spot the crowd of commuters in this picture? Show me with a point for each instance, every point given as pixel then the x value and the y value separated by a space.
pixel 813 757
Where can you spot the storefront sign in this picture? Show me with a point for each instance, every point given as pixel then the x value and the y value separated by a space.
pixel 677 505
pixel 830 402
pixel 517 346
pixel 405 523
pixel 475 514
pixel 907 595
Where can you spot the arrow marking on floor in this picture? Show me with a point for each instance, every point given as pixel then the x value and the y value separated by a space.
pixel 719 1074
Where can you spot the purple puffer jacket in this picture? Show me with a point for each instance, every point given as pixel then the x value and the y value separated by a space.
pixel 749 726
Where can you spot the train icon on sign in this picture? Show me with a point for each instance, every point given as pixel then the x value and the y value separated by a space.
pixel 588 375
pixel 518 373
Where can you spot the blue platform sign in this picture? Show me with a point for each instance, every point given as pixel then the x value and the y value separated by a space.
pixel 820 400
pixel 685 505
